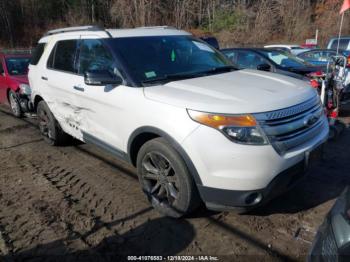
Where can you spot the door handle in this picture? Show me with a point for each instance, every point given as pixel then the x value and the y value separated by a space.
pixel 79 88
pixel 44 78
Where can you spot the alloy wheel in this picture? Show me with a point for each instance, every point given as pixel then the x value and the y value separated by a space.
pixel 44 123
pixel 161 182
pixel 14 104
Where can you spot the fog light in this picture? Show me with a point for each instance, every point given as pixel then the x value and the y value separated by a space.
pixel 253 198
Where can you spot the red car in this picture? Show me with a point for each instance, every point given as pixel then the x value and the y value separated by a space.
pixel 14 85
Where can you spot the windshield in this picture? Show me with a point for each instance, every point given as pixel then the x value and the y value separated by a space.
pixel 161 57
pixel 284 59
pixel 17 65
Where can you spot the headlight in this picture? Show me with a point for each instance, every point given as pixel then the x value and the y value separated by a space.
pixel 241 129
pixel 25 89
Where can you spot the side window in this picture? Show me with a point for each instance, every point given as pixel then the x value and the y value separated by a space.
pixel 63 56
pixel 307 55
pixel 94 56
pixel 38 52
pixel 231 55
pixel 249 60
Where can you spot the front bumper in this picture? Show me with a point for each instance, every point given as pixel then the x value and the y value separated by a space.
pixel 221 199
pixel 235 175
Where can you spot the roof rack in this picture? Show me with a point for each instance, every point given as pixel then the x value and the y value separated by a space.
pixel 77 29
pixel 16 51
pixel 157 27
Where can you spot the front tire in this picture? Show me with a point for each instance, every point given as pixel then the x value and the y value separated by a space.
pixel 49 127
pixel 165 179
pixel 15 105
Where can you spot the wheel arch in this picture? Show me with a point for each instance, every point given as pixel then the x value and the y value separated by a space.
pixel 36 101
pixel 144 134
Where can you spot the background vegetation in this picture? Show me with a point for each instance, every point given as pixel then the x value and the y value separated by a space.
pixel 234 22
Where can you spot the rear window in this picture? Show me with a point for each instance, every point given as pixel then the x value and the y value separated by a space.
pixel 17 65
pixel 38 52
pixel 343 44
pixel 63 56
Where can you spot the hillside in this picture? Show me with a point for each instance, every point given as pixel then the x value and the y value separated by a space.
pixel 234 22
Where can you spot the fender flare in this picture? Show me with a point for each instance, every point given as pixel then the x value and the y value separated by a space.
pixel 150 129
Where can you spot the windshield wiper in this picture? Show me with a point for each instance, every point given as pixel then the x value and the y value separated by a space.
pixel 217 70
pixel 172 77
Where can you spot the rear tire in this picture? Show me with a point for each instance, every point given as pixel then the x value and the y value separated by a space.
pixel 49 127
pixel 15 105
pixel 165 179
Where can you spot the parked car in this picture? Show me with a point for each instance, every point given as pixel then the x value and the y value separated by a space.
pixel 293 49
pixel 211 41
pixel 332 241
pixel 344 43
pixel 14 81
pixel 321 57
pixel 196 128
pixel 272 60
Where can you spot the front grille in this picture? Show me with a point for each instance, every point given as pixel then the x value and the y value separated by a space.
pixel 291 127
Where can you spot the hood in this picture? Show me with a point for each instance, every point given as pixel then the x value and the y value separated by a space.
pixel 20 79
pixel 244 91
pixel 305 70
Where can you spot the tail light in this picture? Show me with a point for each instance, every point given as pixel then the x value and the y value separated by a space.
pixel 314 83
pixel 333 114
pixel 348 62
pixel 316 74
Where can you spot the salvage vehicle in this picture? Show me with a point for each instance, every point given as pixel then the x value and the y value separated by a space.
pixel 196 128
pixel 344 43
pixel 292 49
pixel 14 85
pixel 277 61
pixel 321 57
pixel 332 241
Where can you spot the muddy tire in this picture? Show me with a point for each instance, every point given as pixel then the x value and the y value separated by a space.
pixel 14 104
pixel 166 180
pixel 49 127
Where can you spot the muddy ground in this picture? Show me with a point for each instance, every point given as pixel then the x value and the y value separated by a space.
pixel 77 203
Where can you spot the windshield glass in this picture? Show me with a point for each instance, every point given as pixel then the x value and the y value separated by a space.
pixel 284 59
pixel 17 65
pixel 162 57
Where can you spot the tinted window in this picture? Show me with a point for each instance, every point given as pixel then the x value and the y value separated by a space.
pixel 246 59
pixel 156 57
pixel 38 51
pixel 94 56
pixel 232 55
pixel 64 56
pixel 17 65
pixel 284 59
pixel 343 44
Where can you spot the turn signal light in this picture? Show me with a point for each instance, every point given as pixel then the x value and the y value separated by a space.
pixel 217 121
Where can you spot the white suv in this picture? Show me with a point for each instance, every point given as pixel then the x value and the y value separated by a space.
pixel 196 128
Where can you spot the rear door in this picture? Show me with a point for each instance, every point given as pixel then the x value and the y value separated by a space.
pixel 58 81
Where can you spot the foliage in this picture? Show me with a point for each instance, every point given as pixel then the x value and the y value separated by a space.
pixel 235 22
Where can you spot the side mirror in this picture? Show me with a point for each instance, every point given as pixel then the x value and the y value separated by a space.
pixel 101 78
pixel 264 67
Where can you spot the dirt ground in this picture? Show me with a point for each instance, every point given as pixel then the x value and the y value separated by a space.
pixel 76 203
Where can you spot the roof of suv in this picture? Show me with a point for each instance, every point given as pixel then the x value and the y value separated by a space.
pixel 115 33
